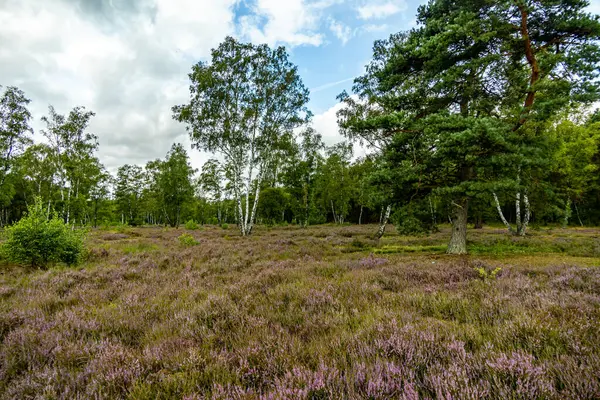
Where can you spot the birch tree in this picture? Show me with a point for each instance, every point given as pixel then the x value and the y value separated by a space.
pixel 72 149
pixel 242 103
pixel 300 173
pixel 14 136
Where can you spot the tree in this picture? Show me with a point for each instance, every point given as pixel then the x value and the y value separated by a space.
pixel 274 203
pixel 334 187
pixel 461 101
pixel 40 239
pixel 73 150
pixel 14 136
pixel 174 183
pixel 242 105
pixel 572 169
pixel 300 171
pixel 128 192
pixel 211 183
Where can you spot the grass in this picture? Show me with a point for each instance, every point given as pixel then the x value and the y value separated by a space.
pixel 317 313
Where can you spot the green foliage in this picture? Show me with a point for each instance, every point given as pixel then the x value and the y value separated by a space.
pixel 173 183
pixel 416 218
pixel 244 104
pixel 273 204
pixel 39 241
pixel 225 226
pixel 487 274
pixel 191 225
pixel 14 136
pixel 187 240
pixel 458 105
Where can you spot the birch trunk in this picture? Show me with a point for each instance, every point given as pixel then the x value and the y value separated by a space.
pixel 518 212
pixel 333 211
pixel 248 188
pixel 504 221
pixel 458 240
pixel 360 215
pixel 255 205
pixel 578 217
pixel 525 221
pixel 383 221
pixel 567 214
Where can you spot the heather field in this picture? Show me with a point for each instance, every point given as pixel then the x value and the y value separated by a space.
pixel 317 313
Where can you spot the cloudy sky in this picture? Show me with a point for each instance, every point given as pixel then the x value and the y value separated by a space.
pixel 128 60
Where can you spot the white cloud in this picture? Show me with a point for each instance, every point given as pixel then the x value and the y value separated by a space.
pixel 294 22
pixel 128 60
pixel 326 124
pixel 127 65
pixel 341 31
pixel 375 28
pixel 380 10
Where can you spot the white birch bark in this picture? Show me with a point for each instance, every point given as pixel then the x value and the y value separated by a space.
pixel 383 221
pixel 255 205
pixel 527 217
pixel 333 211
pixel 504 221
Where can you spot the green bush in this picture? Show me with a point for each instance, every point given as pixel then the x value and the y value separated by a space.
pixel 39 241
pixel 225 226
pixel 187 240
pixel 191 225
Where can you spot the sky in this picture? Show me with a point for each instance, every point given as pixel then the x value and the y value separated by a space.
pixel 128 60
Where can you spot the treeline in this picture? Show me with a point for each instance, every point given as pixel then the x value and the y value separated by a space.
pixel 308 183
pixel 480 113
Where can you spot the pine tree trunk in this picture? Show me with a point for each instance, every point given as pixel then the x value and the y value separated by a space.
pixel 458 240
pixel 383 222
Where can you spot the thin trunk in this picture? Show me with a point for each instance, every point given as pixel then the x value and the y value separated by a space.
pixel 333 211
pixel 567 214
pixel 527 217
pixel 248 186
pixel 504 221
pixel 458 240
pixel 432 210
pixel 478 221
pixel 360 215
pixel 383 221
pixel 518 213
pixel 255 205
pixel 239 210
pixel 577 211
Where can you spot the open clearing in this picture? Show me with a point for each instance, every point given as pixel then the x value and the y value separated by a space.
pixel 318 313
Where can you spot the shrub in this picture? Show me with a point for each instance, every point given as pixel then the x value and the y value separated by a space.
pixel 191 225
pixel 225 226
pixel 39 240
pixel 187 240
